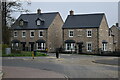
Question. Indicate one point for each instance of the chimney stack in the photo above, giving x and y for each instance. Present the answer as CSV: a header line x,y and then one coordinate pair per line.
x,y
117,24
71,12
39,11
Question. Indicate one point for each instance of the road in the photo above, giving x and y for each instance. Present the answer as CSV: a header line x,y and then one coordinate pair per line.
x,y
70,65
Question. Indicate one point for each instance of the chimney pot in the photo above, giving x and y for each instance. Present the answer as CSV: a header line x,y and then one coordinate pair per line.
x,y
39,11
71,12
117,24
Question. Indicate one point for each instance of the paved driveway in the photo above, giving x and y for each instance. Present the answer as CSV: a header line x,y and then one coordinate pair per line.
x,y
70,65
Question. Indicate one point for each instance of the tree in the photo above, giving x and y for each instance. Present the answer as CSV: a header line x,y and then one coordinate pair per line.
x,y
7,9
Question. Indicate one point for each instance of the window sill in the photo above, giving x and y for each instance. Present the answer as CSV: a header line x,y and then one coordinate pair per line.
x,y
89,51
31,37
89,36
70,36
40,49
69,50
40,36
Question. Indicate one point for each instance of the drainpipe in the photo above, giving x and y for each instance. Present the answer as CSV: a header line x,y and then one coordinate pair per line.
x,y
98,51
63,38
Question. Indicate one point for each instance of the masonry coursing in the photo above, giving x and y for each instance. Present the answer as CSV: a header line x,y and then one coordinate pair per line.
x,y
56,35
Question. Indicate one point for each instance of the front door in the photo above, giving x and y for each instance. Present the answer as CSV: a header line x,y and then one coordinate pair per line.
x,y
80,48
23,47
32,47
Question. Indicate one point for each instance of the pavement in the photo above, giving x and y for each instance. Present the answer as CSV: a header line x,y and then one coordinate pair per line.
x,y
1,74
25,72
67,66
112,61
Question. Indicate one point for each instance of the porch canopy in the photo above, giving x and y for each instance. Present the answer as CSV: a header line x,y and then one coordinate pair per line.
x,y
15,41
31,42
79,42
104,41
40,41
69,41
23,42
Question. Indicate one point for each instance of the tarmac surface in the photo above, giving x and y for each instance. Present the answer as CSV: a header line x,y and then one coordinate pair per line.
x,y
114,61
67,66
24,72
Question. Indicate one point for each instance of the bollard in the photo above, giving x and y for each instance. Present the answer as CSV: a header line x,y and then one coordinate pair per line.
x,y
57,53
35,53
46,51
32,54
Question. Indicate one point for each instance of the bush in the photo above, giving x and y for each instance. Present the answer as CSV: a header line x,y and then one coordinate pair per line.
x,y
3,48
15,51
24,54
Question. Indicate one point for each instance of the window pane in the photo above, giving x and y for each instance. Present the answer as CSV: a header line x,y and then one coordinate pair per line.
x,y
16,44
38,22
89,33
15,34
41,46
32,33
21,23
24,34
89,47
70,46
71,33
104,46
41,33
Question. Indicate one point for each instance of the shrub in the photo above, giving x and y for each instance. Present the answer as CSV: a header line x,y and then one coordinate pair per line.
x,y
15,51
3,48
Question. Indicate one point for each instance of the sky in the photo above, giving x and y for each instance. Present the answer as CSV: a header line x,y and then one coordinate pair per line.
x,y
109,8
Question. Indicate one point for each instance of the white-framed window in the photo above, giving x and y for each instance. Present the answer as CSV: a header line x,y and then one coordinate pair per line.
x,y
104,46
110,33
16,44
70,46
40,33
71,33
40,46
15,33
12,45
89,46
38,22
32,33
23,33
21,23
89,32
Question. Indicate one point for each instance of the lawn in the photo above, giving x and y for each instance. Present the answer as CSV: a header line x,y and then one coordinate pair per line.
x,y
24,54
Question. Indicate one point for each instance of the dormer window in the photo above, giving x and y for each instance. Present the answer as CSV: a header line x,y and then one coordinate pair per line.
x,y
21,23
38,22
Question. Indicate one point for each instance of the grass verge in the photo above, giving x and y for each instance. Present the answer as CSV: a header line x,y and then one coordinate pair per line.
x,y
23,54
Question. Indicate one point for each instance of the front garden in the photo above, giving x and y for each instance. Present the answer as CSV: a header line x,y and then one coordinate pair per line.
x,y
19,53
24,54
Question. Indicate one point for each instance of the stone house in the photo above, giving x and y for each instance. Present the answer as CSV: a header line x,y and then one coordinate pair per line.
x,y
115,30
86,33
37,31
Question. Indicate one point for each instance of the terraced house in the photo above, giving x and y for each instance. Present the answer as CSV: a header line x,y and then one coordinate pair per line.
x,y
87,33
37,31
115,30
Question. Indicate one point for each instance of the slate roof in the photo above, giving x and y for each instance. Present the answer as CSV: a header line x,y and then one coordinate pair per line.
x,y
15,41
83,21
30,20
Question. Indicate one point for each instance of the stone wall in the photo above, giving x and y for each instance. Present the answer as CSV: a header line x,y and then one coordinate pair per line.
x,y
55,34
103,33
80,35
28,39
116,33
